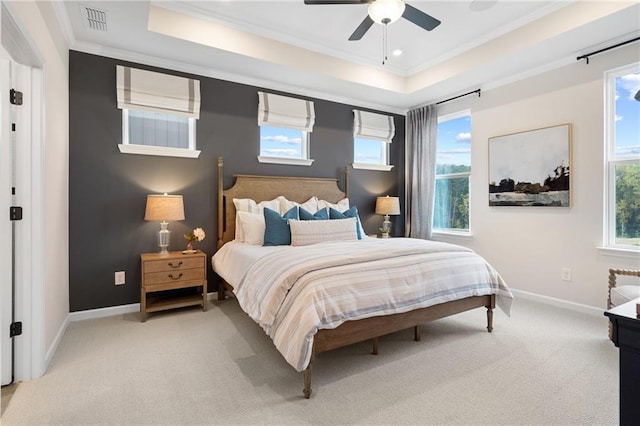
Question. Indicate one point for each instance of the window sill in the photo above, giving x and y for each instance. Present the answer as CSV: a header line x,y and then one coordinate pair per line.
x,y
161,151
437,235
282,160
365,166
619,252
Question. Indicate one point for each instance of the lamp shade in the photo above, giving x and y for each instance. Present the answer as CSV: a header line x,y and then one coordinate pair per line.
x,y
388,205
386,11
164,208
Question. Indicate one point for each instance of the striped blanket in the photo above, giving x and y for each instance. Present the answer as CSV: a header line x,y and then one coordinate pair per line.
x,y
293,293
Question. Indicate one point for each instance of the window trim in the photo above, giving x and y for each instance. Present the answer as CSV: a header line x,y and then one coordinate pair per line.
x,y
610,162
126,147
447,231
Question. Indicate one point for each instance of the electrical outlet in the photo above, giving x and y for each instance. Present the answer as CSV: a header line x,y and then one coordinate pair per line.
x,y
565,274
119,278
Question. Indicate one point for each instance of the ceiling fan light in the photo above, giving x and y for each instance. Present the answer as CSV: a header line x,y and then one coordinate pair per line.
x,y
386,11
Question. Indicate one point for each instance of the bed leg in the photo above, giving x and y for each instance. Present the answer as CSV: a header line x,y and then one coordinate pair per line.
x,y
416,333
489,319
307,382
375,346
307,376
220,292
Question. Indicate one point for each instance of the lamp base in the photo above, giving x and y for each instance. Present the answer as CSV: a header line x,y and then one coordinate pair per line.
x,y
164,237
386,227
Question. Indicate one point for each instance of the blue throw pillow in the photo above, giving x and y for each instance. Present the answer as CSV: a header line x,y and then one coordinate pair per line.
x,y
352,212
319,215
277,231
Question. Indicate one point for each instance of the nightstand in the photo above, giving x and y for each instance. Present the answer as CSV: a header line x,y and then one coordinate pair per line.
x,y
172,271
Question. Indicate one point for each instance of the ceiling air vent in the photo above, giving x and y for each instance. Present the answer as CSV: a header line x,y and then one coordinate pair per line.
x,y
95,19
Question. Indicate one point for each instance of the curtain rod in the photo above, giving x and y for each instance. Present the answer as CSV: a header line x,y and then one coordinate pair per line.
x,y
586,56
459,96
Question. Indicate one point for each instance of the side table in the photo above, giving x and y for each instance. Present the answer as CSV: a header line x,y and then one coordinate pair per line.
x,y
626,336
172,271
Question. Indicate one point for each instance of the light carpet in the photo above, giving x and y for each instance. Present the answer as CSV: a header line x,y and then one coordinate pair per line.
x,y
542,366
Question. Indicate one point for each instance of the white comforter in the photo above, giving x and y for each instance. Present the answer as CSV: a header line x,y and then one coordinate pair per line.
x,y
292,292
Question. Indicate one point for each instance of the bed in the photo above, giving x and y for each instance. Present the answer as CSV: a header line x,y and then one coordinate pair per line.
x,y
312,298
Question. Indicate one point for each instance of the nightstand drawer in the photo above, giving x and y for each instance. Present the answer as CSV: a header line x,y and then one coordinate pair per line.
x,y
174,264
173,276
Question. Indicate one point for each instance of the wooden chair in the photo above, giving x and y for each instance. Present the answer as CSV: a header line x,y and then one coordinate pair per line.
x,y
619,294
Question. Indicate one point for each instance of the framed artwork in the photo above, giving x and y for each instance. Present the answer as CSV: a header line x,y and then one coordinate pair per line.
x,y
531,168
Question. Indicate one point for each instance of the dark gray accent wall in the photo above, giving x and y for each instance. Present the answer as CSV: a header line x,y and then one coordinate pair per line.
x,y
108,189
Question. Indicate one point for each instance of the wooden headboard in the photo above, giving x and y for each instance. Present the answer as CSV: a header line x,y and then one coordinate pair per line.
x,y
263,188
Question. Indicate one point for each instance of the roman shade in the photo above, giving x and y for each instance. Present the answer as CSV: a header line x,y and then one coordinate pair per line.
x,y
369,125
156,92
283,111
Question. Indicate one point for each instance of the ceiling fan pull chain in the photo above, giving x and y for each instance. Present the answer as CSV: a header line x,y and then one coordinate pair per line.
x,y
384,44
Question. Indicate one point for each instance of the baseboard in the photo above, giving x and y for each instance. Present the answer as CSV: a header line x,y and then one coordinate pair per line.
x,y
54,345
565,304
115,310
135,307
104,312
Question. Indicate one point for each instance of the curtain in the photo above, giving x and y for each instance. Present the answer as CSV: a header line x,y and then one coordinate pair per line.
x,y
422,135
156,92
283,111
370,125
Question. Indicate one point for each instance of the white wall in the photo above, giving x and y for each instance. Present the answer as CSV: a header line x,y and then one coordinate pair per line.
x,y
530,245
36,21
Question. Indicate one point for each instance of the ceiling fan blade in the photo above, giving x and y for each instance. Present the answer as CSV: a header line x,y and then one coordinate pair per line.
x,y
337,1
420,18
362,29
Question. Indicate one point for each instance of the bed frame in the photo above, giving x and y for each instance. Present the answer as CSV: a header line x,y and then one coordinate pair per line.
x,y
300,189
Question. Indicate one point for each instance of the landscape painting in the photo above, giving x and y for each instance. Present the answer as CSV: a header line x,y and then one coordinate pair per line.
x,y
531,168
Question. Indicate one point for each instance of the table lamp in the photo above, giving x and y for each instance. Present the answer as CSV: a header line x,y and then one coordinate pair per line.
x,y
164,208
387,206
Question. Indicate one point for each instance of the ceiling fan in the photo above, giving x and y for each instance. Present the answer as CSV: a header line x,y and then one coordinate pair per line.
x,y
384,12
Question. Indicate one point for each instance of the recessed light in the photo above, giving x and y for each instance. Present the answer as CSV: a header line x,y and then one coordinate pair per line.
x,y
397,52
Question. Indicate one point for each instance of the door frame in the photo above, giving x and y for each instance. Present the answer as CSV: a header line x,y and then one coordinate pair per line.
x,y
29,348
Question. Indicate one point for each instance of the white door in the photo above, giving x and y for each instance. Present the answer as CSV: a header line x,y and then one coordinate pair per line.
x,y
7,160
21,167
15,142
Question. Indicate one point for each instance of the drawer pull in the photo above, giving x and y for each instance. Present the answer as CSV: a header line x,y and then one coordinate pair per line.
x,y
175,278
175,266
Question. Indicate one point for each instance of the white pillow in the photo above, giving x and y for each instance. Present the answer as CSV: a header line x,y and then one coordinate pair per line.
x,y
305,232
311,205
252,225
341,206
249,205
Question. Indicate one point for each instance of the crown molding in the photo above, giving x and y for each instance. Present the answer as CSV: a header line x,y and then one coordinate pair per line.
x,y
64,22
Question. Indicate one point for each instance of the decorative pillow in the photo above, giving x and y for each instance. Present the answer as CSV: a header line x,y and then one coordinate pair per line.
x,y
305,232
249,205
253,227
311,205
341,206
321,214
277,231
352,212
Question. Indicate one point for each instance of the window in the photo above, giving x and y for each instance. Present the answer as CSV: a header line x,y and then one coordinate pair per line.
x,y
284,143
372,134
158,130
285,124
370,152
453,168
159,113
622,111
